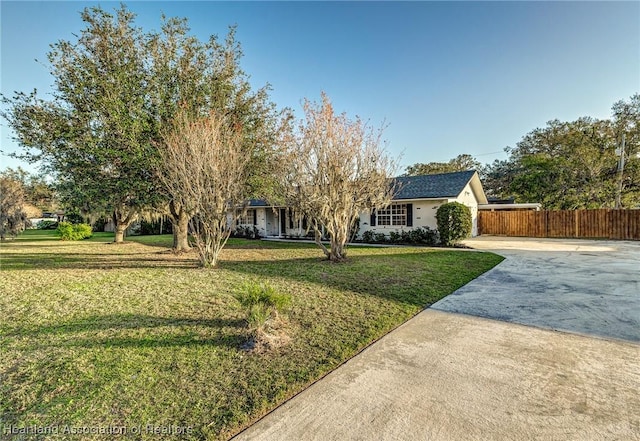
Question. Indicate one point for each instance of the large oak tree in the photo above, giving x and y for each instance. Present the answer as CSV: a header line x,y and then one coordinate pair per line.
x,y
95,132
115,90
575,164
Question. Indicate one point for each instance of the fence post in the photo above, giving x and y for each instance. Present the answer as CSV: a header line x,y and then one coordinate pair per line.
x,y
546,223
576,215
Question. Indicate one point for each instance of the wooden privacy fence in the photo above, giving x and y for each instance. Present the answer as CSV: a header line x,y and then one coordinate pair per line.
x,y
601,223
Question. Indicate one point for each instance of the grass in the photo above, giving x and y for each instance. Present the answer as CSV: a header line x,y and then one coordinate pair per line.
x,y
97,335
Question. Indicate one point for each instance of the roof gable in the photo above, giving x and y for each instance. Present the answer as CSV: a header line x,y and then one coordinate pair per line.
x,y
443,185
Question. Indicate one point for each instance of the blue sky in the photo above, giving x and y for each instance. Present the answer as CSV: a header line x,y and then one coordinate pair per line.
x,y
447,77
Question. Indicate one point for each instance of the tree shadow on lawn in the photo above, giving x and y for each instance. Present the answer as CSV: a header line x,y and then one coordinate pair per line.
x,y
51,244
414,278
232,244
126,258
36,261
51,236
20,240
180,332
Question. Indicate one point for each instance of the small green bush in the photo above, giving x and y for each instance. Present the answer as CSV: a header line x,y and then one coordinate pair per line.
x,y
380,238
65,231
246,232
262,303
68,231
83,231
454,222
395,237
367,236
417,236
424,236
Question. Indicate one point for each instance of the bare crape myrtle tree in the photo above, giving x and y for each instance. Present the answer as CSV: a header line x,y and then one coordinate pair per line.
x,y
337,168
206,170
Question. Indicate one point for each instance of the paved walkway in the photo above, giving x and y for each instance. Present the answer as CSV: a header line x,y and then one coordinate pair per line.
x,y
448,376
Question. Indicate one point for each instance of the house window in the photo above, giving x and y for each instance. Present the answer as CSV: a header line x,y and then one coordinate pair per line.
x,y
393,215
248,218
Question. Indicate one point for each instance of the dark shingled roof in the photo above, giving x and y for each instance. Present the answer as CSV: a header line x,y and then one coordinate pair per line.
x,y
444,185
258,203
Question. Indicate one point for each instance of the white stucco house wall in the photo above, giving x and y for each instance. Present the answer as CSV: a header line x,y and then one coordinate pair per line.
x,y
413,206
272,220
418,198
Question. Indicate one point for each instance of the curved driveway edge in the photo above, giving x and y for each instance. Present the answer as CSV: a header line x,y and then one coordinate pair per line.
x,y
444,376
583,286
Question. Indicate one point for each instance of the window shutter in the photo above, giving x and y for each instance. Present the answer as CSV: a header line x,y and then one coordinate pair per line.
x,y
283,221
304,222
373,218
255,217
409,215
290,218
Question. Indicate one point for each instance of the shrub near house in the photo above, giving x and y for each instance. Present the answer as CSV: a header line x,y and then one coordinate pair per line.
x,y
454,222
417,236
68,231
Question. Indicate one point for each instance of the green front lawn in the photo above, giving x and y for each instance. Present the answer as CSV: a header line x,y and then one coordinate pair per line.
x,y
95,334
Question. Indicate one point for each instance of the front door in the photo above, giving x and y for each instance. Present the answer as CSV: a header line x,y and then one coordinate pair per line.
x,y
271,217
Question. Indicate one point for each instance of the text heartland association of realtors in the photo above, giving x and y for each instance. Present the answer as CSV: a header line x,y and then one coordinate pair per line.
x,y
98,430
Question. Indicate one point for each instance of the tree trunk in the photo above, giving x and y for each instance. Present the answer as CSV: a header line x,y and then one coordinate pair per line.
x,y
210,239
181,233
209,258
318,240
338,253
122,218
180,222
119,233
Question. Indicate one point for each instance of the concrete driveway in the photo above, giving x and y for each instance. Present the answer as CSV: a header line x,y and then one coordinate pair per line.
x,y
449,376
446,377
582,286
